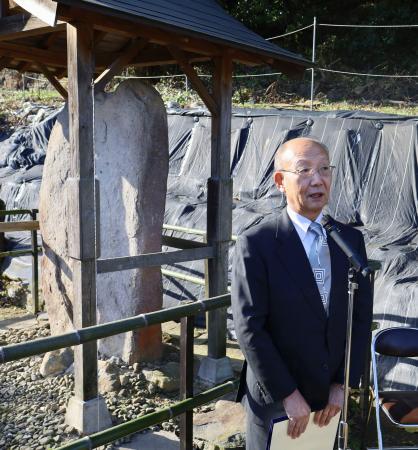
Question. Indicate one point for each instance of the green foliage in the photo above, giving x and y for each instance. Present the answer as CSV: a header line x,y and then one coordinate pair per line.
x,y
386,50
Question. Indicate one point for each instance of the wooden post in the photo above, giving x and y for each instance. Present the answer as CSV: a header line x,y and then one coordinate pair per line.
x,y
35,277
82,245
4,8
186,380
216,367
84,410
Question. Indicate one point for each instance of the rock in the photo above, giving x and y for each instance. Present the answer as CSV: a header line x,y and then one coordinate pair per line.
x,y
108,374
124,380
222,428
108,366
42,317
56,362
17,293
167,379
132,190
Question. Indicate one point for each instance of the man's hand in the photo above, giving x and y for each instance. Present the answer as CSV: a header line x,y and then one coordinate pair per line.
x,y
335,404
298,412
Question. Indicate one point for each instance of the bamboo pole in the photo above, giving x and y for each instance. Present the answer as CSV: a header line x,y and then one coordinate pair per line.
x,y
76,337
132,426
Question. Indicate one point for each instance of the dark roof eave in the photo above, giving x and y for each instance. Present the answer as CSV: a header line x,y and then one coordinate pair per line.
x,y
279,56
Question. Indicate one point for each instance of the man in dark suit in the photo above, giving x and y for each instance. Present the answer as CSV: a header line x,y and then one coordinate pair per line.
x,y
291,325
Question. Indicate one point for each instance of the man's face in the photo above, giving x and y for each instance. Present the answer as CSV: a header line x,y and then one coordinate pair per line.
x,y
305,195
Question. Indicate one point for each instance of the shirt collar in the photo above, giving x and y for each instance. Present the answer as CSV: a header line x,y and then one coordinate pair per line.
x,y
301,222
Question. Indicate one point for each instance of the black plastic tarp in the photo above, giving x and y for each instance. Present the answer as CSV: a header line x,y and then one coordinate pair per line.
x,y
375,188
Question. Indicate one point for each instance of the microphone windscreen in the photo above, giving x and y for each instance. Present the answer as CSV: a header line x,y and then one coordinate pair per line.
x,y
327,221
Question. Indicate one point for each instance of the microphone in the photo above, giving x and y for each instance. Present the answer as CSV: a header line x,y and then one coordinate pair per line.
x,y
356,260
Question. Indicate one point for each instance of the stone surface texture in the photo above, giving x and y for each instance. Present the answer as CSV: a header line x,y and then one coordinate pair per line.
x,y
166,379
56,362
222,428
131,148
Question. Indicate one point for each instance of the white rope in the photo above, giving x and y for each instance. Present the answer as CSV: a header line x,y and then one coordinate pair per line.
x,y
33,78
365,26
202,76
365,74
290,32
257,75
150,77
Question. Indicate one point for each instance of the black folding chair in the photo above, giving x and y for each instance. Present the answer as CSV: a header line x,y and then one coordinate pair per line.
x,y
400,407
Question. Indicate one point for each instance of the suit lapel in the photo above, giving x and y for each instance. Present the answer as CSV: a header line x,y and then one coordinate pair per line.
x,y
339,282
293,257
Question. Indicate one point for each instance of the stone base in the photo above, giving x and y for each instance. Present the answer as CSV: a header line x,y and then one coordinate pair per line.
x,y
215,370
88,417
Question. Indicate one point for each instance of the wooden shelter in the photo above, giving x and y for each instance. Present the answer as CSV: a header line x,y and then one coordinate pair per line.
x,y
90,41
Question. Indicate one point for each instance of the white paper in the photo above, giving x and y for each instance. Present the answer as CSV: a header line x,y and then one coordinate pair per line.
x,y
314,437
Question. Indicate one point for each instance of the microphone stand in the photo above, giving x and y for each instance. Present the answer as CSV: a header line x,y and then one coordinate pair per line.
x,y
343,425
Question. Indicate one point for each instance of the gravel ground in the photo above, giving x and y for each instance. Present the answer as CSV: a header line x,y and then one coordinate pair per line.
x,y
32,408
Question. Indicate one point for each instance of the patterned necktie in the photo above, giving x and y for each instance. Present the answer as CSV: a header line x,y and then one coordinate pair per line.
x,y
320,262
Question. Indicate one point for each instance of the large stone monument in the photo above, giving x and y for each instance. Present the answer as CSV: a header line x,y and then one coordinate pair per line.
x,y
131,148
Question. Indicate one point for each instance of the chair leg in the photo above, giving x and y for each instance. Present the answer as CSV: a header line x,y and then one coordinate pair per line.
x,y
365,428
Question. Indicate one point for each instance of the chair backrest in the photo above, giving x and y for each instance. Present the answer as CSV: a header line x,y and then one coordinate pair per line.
x,y
402,342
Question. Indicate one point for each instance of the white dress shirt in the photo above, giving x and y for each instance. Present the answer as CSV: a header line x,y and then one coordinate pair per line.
x,y
301,224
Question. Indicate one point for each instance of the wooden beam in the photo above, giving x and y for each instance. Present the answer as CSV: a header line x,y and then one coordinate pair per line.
x,y
50,40
153,259
117,66
26,53
82,201
51,78
171,241
24,25
219,203
48,57
195,80
4,8
46,10
4,62
26,225
98,36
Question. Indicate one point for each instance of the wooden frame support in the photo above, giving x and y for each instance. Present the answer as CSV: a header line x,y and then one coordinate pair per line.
x,y
24,25
4,8
46,10
86,411
80,108
111,265
51,78
197,83
117,66
216,367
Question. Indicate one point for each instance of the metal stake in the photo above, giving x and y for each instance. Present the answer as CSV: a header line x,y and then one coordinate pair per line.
x,y
343,425
313,61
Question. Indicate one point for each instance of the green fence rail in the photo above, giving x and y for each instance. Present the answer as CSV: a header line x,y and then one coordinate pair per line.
x,y
185,313
132,426
184,408
33,251
42,345
16,212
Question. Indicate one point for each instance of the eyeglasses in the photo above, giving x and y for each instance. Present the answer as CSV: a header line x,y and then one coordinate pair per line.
x,y
324,171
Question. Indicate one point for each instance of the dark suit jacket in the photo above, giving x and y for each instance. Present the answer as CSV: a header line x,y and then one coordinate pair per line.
x,y
282,328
